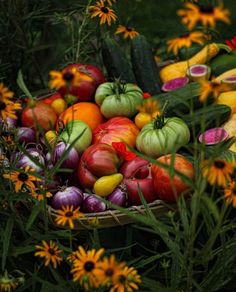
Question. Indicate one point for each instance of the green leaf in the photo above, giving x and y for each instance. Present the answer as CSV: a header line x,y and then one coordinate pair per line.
x,y
34,214
6,240
21,84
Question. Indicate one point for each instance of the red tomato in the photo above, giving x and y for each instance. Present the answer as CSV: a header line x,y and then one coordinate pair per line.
x,y
86,89
117,129
170,188
39,115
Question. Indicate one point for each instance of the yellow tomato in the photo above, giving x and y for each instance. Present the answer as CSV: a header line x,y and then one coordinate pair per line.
x,y
141,119
59,105
105,185
51,136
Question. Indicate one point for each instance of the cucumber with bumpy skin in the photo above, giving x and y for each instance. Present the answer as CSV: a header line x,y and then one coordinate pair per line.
x,y
116,62
144,66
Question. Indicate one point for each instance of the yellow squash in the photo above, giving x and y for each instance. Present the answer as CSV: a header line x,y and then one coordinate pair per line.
x,y
179,69
230,127
105,185
228,98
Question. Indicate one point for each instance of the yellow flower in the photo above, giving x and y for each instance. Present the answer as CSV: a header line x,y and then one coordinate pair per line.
x,y
207,15
22,178
5,93
49,252
41,193
217,172
7,283
186,40
7,109
230,194
150,106
108,268
126,279
67,216
127,31
85,268
67,78
211,87
105,13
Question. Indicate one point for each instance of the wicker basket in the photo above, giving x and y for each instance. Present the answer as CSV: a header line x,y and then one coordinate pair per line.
x,y
112,218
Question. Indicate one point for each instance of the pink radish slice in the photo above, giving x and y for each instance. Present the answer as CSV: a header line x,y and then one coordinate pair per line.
x,y
213,136
231,79
175,83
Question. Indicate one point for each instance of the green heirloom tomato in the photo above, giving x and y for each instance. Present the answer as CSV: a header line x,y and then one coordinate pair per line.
x,y
162,136
116,99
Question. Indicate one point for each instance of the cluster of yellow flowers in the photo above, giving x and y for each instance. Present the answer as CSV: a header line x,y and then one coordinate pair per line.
x,y
103,10
193,14
91,269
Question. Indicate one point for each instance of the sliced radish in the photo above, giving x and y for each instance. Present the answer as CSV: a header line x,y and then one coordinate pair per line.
x,y
175,83
213,136
199,72
231,79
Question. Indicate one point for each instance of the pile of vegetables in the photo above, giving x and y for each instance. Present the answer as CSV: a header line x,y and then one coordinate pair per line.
x,y
102,140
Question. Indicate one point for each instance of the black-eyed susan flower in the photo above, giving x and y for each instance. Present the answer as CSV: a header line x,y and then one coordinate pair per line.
x,y
85,269
127,31
41,193
108,268
209,87
22,178
230,194
127,279
73,256
186,40
8,283
217,172
206,15
67,78
50,252
5,93
105,13
150,106
67,216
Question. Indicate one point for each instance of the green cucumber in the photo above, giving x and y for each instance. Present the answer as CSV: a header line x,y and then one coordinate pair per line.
x,y
115,61
180,101
186,53
211,116
222,63
144,65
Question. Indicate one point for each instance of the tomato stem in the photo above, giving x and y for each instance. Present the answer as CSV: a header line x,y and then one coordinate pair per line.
x,y
159,121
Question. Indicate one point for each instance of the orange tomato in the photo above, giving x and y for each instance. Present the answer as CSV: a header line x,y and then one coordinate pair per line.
x,y
141,119
87,112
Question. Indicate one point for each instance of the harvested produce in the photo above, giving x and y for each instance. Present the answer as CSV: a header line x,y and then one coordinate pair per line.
x,y
67,196
117,99
168,188
105,185
199,72
228,98
175,83
227,75
162,136
144,65
179,69
213,136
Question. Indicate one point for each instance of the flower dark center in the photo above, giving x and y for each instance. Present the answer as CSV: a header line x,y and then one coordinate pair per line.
x,y
2,105
109,272
68,76
122,279
129,29
184,36
51,251
207,9
69,214
219,164
104,9
89,266
23,177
